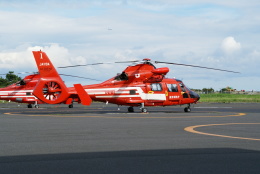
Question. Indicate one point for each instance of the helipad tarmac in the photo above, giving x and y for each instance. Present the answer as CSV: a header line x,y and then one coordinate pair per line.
x,y
213,138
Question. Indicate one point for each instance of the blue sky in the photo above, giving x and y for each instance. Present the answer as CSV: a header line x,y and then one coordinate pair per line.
x,y
222,34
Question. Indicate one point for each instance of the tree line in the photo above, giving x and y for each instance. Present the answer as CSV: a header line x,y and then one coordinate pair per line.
x,y
227,89
9,79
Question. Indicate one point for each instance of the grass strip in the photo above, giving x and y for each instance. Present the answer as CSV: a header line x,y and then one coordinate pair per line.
x,y
230,98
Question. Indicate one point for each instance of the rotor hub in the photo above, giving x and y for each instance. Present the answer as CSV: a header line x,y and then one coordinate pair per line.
x,y
147,60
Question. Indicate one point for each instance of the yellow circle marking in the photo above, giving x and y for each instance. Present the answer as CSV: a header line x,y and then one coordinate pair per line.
x,y
191,129
129,115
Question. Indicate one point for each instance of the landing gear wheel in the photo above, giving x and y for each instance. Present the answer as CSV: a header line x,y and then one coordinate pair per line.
x,y
144,110
36,106
29,105
130,109
187,109
71,106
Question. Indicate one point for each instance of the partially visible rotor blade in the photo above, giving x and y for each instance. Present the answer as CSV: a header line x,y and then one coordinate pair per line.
x,y
71,66
131,61
196,66
23,73
80,65
28,73
78,77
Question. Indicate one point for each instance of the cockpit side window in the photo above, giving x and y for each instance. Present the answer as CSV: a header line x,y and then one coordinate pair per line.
x,y
184,90
172,87
20,83
156,87
122,76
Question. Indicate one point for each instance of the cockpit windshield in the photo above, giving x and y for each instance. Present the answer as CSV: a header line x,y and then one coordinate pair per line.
x,y
183,89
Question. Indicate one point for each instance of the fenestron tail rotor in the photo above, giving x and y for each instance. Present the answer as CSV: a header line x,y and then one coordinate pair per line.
x,y
51,91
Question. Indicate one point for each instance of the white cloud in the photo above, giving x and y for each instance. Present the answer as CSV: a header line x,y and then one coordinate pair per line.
x,y
13,60
23,60
229,45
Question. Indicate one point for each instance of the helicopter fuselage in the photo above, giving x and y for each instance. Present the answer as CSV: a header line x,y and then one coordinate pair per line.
x,y
142,84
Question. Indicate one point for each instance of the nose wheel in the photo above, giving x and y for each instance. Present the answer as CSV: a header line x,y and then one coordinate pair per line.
x,y
187,109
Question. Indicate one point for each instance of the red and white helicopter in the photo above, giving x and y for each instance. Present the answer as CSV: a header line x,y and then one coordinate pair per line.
x,y
21,91
140,85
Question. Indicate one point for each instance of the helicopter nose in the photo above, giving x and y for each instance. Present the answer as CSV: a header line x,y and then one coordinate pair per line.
x,y
195,96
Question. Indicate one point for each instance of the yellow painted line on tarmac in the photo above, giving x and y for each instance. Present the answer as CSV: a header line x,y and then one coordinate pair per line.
x,y
234,115
46,115
191,129
145,115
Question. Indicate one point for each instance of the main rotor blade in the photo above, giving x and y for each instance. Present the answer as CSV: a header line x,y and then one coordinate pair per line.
x,y
197,66
82,65
71,66
78,77
22,73
28,73
130,61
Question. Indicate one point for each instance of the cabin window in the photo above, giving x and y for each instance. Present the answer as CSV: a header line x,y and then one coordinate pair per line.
x,y
132,92
172,87
156,87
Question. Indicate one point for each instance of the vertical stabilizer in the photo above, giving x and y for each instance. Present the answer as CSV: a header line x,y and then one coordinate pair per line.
x,y
45,66
50,88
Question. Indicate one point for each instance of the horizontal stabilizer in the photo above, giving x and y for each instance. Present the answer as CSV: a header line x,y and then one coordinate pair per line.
x,y
83,95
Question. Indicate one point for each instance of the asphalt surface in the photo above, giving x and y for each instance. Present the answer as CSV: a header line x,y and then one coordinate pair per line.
x,y
212,138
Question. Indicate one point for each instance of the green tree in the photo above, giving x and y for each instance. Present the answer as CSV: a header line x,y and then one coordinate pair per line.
x,y
227,89
9,79
207,90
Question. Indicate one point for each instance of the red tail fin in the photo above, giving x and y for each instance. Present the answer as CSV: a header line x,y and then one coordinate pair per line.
x,y
50,89
45,67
